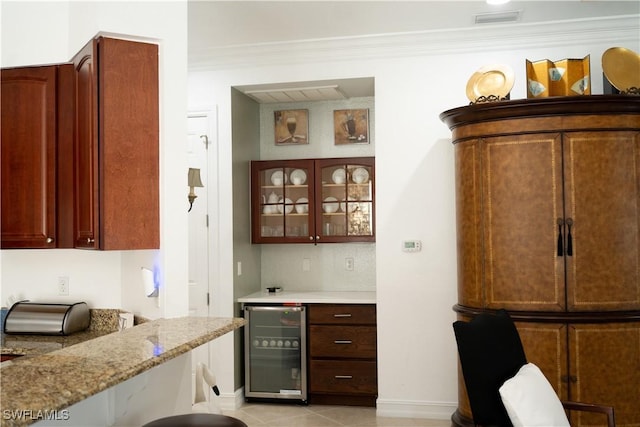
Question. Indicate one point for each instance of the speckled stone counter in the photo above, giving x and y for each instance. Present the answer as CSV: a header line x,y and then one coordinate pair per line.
x,y
310,297
103,321
60,378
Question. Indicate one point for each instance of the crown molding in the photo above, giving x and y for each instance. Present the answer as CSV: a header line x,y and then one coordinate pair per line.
x,y
616,29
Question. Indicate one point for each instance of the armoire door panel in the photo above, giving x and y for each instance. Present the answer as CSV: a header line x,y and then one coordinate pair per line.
x,y
522,267
545,345
603,199
469,231
605,362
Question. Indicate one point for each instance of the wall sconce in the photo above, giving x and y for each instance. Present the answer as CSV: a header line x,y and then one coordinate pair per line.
x,y
193,180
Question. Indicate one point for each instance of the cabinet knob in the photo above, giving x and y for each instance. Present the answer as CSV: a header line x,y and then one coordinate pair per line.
x,y
90,240
317,237
49,239
311,238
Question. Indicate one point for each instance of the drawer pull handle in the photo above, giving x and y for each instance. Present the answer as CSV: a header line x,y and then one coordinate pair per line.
x,y
343,377
342,315
342,342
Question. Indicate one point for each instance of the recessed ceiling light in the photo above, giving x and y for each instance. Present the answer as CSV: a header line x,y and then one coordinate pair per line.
x,y
494,2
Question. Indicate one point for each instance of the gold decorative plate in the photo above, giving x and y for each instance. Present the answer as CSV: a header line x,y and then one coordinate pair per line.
x,y
621,67
490,80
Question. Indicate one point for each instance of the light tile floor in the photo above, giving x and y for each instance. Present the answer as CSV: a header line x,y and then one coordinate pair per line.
x,y
286,415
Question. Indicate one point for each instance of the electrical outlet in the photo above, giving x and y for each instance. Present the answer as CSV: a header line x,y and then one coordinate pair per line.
x,y
63,285
348,264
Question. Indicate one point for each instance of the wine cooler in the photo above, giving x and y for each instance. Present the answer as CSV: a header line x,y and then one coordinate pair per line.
x,y
275,352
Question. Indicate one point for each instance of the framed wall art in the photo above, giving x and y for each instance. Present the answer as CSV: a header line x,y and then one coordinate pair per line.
x,y
291,127
351,126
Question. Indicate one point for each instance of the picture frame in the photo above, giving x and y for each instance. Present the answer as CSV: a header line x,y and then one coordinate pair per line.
x,y
291,127
351,126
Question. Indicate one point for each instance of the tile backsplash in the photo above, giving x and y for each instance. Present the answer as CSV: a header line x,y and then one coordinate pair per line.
x,y
284,266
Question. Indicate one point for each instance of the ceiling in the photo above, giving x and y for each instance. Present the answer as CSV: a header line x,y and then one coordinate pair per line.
x,y
217,24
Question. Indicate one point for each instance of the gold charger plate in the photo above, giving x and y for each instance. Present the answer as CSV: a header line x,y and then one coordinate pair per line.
x,y
621,67
496,79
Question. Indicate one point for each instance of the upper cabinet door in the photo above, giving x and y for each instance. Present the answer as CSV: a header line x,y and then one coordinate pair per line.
x,y
282,201
522,199
313,201
345,200
87,232
29,157
602,199
117,151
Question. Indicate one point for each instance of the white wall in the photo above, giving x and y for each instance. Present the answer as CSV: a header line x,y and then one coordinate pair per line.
x,y
52,32
417,76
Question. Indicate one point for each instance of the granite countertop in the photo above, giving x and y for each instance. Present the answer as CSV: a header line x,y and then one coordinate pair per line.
x,y
311,297
60,378
103,321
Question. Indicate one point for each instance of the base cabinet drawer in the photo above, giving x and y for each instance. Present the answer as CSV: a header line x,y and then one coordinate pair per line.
x,y
340,314
346,341
342,354
329,376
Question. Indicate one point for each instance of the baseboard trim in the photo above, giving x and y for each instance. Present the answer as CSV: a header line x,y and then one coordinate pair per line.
x,y
232,401
415,409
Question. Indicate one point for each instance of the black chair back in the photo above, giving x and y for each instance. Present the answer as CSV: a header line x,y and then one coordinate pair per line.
x,y
490,352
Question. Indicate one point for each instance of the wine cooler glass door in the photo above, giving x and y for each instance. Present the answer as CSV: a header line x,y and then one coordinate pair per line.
x,y
275,352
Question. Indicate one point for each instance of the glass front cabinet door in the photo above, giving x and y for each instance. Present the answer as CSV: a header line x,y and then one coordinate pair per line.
x,y
313,201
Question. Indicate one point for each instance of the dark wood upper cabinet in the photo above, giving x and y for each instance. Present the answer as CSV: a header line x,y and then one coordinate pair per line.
x,y
37,132
80,150
116,150
313,200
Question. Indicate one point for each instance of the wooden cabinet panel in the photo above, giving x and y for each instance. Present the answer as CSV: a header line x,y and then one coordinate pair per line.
x,y
86,207
605,368
343,376
469,231
352,314
522,201
343,342
36,131
117,146
545,345
603,200
29,157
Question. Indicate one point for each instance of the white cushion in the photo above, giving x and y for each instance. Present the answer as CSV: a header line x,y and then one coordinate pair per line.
x,y
531,401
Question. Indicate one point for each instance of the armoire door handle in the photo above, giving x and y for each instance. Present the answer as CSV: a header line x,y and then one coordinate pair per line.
x,y
560,222
569,238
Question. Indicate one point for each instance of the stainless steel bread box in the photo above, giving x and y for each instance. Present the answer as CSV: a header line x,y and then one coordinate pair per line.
x,y
46,319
